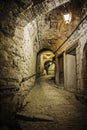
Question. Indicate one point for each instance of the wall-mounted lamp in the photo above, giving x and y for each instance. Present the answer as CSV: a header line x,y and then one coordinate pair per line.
x,y
67,18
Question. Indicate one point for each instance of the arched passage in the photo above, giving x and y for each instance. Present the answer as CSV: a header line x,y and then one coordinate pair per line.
x,y
44,60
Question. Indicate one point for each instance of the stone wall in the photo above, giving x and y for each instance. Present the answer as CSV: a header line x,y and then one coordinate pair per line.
x,y
80,37
17,62
27,42
18,48
81,60
21,26
16,11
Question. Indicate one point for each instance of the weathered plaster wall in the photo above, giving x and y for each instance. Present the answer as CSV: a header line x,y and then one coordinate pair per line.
x,y
80,37
78,34
70,72
80,63
28,48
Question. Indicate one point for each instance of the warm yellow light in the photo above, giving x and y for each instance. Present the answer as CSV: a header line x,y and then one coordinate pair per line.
x,y
48,57
67,18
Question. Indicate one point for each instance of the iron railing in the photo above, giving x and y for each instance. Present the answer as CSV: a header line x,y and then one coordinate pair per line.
x,y
14,88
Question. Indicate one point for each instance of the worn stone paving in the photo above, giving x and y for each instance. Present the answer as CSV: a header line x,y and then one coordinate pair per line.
x,y
58,109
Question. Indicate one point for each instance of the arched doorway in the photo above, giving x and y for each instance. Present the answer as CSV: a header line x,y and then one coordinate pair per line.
x,y
49,66
44,62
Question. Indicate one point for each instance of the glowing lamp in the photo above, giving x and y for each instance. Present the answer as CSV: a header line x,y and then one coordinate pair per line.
x,y
67,18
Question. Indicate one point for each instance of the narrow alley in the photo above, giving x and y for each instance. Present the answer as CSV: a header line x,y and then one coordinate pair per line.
x,y
52,108
43,65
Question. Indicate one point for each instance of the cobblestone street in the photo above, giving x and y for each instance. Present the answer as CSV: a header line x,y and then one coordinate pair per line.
x,y
53,107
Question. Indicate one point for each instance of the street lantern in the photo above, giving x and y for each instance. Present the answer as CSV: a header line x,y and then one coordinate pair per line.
x,y
67,18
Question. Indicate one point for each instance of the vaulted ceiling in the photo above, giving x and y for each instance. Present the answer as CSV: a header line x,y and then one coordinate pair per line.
x,y
53,30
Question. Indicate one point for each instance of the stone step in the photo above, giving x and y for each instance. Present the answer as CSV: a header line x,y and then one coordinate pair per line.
x,y
34,118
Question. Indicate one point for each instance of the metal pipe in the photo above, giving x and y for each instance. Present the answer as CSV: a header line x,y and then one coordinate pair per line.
x,y
29,77
9,88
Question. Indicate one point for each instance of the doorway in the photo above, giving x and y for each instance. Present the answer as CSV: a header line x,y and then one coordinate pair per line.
x,y
71,70
61,69
45,62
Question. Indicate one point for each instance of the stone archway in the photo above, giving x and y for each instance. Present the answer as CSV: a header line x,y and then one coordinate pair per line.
x,y
43,56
